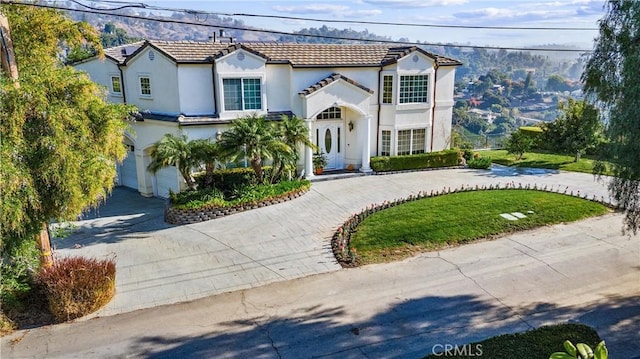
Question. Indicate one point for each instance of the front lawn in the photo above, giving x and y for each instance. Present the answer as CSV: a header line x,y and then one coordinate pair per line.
x,y
534,344
430,223
541,160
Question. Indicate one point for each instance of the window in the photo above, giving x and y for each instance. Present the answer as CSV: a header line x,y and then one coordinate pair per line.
x,y
242,94
410,141
116,85
145,86
414,89
387,89
417,141
330,113
386,143
404,142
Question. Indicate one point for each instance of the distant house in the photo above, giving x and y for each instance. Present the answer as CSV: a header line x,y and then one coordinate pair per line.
x,y
358,100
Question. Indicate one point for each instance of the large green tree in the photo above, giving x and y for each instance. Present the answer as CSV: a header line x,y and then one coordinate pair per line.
x,y
59,138
576,130
611,82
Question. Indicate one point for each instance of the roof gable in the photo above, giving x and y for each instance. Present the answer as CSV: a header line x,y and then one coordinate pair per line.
x,y
333,78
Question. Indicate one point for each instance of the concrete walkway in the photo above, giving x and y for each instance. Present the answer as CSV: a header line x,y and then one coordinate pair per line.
x,y
159,264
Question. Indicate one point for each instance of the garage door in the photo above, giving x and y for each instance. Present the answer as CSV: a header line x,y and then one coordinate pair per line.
x,y
165,180
127,173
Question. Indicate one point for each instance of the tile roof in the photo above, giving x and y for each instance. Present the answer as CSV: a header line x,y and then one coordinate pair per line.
x,y
118,55
330,79
297,55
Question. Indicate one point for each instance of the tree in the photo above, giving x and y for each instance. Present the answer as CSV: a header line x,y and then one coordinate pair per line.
x,y
518,144
253,137
294,133
576,130
60,138
176,150
208,153
556,83
611,83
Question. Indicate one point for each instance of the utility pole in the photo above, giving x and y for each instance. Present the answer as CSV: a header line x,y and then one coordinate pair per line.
x,y
10,68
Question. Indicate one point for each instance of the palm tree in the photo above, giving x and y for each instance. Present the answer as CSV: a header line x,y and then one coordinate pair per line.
x,y
174,150
253,137
294,132
207,152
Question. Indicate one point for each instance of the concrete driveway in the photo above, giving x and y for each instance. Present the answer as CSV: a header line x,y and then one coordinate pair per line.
x,y
159,264
581,272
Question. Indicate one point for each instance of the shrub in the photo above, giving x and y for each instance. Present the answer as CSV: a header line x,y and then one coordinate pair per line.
x,y
479,163
467,154
241,194
77,286
445,158
198,198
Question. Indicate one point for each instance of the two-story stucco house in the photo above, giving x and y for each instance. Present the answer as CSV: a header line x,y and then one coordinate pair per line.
x,y
358,100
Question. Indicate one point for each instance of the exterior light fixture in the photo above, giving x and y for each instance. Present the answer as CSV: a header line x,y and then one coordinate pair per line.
x,y
350,124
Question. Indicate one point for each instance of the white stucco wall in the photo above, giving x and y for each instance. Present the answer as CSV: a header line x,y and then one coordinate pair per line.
x,y
163,75
100,72
444,108
338,93
195,88
278,86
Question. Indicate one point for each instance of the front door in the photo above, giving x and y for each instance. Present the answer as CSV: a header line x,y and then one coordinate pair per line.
x,y
329,137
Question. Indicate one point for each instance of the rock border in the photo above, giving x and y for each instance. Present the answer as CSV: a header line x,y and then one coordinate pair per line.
x,y
340,241
194,215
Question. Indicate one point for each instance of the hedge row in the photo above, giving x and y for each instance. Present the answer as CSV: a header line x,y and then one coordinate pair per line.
x,y
446,158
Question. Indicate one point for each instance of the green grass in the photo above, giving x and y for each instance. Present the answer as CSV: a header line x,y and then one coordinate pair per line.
x,y
541,160
534,344
436,222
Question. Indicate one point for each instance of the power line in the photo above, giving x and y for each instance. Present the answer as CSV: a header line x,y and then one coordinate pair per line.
x,y
277,32
360,22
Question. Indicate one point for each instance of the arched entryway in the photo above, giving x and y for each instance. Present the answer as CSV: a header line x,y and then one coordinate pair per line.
x,y
329,136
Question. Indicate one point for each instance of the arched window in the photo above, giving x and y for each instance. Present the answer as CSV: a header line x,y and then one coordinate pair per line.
x,y
330,113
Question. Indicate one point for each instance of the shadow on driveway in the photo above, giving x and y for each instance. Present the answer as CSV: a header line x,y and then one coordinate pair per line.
x,y
408,329
123,215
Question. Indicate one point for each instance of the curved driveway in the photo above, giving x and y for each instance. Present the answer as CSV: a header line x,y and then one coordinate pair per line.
x,y
159,264
584,271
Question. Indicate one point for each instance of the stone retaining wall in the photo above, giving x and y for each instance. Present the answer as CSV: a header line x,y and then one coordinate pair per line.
x,y
188,216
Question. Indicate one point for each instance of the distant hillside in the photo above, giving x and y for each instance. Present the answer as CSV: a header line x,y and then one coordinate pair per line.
x,y
144,29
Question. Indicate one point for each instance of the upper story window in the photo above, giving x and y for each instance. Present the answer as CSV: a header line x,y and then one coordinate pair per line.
x,y
387,89
330,113
116,85
145,86
242,94
414,89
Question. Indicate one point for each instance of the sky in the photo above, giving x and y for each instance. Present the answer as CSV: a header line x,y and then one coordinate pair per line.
x,y
521,13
